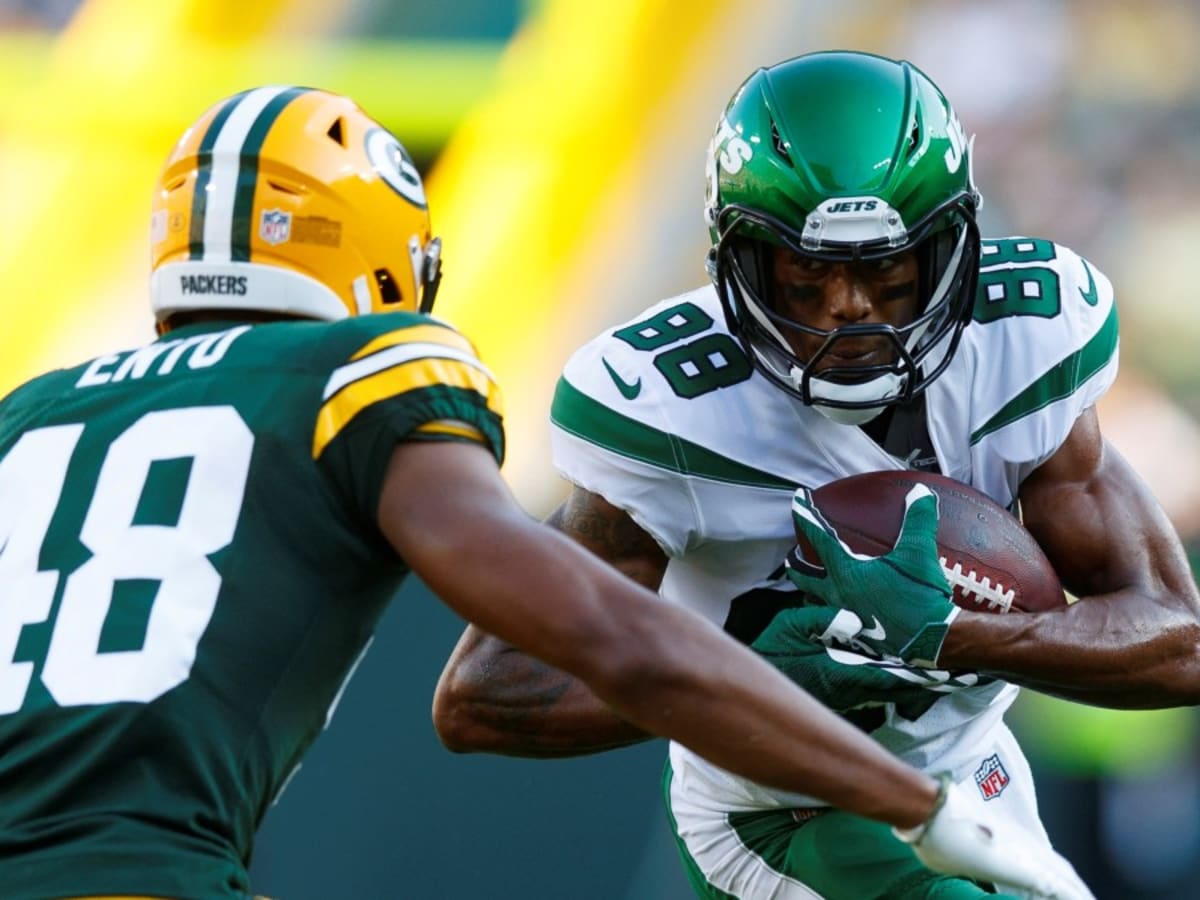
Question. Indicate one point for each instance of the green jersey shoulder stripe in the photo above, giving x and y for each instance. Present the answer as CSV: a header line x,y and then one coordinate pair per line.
x,y
578,414
1061,381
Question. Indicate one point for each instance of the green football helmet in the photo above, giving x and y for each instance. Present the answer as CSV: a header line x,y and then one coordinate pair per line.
x,y
843,156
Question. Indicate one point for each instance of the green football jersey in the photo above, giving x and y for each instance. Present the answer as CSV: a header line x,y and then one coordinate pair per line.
x,y
190,568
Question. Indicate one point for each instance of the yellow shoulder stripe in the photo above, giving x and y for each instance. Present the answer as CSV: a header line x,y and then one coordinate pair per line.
x,y
427,371
429,334
454,427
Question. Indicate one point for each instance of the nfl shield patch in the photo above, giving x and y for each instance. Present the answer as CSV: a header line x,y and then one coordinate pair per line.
x,y
276,226
991,777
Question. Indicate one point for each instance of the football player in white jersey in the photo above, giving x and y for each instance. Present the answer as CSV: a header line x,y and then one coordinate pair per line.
x,y
856,321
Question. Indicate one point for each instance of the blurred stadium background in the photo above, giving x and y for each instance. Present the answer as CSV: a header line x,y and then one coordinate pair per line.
x,y
563,144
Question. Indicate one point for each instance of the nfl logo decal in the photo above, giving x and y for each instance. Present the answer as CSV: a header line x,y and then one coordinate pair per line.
x,y
276,226
991,777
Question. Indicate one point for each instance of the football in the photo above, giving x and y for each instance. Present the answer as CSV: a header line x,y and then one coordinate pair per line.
x,y
990,559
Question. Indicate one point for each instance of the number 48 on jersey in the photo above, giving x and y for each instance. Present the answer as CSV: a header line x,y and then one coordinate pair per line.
x,y
216,446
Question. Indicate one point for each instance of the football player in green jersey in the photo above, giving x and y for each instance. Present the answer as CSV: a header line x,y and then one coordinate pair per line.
x,y
198,536
856,321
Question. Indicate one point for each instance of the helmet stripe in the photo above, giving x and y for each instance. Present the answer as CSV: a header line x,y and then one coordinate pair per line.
x,y
204,174
243,203
237,132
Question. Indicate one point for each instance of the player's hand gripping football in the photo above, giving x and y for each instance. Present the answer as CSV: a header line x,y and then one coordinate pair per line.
x,y
962,837
813,646
902,597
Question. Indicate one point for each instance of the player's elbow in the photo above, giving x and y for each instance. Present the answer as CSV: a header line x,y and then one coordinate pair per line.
x,y
454,719
457,734
1180,681
449,726
1174,677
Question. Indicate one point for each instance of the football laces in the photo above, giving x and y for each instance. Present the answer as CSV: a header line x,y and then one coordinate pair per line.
x,y
978,589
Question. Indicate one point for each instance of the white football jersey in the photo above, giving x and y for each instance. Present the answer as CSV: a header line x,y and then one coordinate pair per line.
x,y
665,418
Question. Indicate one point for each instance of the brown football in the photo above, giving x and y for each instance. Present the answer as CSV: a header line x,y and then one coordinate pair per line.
x,y
990,559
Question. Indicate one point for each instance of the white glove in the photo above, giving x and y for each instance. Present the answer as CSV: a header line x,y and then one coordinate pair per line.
x,y
964,838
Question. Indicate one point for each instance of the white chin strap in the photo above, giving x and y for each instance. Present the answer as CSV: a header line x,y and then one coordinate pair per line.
x,y
848,416
882,389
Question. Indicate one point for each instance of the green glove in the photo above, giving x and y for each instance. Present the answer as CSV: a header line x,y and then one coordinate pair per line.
x,y
903,596
810,646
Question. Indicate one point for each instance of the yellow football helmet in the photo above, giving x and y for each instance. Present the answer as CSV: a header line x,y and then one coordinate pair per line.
x,y
291,200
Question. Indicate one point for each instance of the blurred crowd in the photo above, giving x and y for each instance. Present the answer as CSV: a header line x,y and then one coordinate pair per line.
x,y
37,14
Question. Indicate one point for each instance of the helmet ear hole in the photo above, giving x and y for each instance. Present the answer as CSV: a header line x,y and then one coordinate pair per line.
x,y
389,293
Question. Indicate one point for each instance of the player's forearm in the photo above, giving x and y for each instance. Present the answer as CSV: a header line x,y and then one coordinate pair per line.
x,y
492,698
1119,651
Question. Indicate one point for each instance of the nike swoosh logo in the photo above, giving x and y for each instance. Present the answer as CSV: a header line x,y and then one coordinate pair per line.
x,y
876,632
628,389
1090,297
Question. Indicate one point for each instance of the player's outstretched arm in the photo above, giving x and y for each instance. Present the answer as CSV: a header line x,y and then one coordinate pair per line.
x,y
1132,639
495,698
446,510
